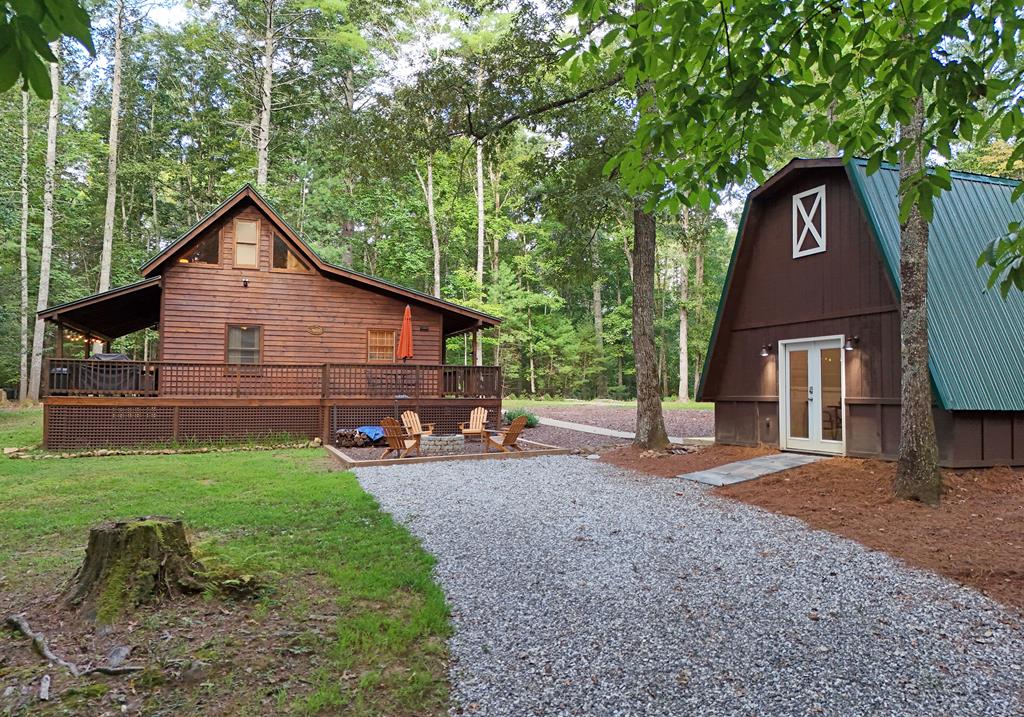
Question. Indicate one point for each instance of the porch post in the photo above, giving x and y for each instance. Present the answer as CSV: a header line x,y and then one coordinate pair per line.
x,y
58,349
476,339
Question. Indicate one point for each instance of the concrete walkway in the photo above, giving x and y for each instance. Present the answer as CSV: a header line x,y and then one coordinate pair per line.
x,y
751,468
611,433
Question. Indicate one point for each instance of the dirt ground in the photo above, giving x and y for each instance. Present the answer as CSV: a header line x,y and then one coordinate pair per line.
x,y
687,423
976,535
668,465
198,655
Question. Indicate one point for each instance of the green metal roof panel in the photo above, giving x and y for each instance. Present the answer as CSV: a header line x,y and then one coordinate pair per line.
x,y
976,339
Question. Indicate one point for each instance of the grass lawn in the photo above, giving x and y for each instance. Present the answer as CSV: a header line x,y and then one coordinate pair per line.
x,y
351,621
606,403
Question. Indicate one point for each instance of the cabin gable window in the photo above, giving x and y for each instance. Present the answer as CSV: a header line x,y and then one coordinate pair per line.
x,y
247,242
205,251
809,222
284,258
380,346
244,343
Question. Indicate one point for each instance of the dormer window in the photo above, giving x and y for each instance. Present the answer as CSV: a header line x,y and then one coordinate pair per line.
x,y
205,251
809,222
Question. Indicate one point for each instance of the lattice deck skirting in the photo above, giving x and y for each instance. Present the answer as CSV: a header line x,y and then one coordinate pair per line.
x,y
71,422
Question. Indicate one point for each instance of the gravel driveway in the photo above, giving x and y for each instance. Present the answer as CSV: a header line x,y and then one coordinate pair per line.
x,y
580,589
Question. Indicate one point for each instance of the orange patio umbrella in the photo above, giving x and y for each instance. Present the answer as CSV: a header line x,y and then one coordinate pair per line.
x,y
404,349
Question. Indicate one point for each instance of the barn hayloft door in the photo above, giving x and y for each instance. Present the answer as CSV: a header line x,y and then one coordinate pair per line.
x,y
811,393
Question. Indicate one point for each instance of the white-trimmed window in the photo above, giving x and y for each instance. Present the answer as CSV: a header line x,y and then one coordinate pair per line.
x,y
247,238
809,222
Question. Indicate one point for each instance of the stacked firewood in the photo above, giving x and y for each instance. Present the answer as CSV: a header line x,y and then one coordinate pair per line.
x,y
352,439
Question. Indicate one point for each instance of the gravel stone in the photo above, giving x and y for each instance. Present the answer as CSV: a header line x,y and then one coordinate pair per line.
x,y
577,588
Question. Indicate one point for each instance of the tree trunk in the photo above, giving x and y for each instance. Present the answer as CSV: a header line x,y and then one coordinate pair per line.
x,y
650,423
478,344
684,297
496,236
598,311
435,242
50,177
533,368
130,563
917,469
480,228
115,127
698,312
23,334
266,88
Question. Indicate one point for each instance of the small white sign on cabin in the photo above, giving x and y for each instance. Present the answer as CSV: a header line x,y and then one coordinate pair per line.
x,y
809,222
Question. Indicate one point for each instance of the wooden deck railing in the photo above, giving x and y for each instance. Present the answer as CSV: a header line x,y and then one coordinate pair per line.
x,y
83,377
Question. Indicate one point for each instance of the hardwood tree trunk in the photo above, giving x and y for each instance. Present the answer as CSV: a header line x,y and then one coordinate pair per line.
x,y
650,423
130,563
598,310
684,297
23,334
427,185
917,469
478,344
49,181
698,313
112,145
266,89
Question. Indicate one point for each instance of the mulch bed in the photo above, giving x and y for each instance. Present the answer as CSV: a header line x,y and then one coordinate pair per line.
x,y
975,537
687,423
667,465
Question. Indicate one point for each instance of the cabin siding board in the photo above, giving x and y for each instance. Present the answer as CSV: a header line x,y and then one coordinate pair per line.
x,y
291,307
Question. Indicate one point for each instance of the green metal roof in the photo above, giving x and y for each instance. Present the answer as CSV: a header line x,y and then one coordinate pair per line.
x,y
976,339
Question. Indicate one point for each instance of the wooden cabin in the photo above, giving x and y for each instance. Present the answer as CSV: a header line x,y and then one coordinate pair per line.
x,y
805,351
258,336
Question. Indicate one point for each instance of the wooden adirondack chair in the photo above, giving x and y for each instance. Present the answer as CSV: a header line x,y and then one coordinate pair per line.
x,y
398,441
476,426
509,437
411,421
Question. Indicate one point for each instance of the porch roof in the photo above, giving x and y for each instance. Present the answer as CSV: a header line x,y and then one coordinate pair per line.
x,y
112,313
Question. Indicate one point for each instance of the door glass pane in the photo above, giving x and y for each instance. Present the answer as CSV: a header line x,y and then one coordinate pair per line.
x,y
831,395
798,408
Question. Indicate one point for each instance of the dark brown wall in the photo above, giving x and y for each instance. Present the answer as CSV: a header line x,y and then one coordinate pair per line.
x,y
774,297
844,290
199,301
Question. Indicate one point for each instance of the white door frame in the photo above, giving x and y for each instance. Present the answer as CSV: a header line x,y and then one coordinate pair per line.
x,y
784,437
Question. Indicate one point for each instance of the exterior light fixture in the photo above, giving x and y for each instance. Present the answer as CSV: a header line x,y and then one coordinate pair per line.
x,y
851,343
245,282
766,349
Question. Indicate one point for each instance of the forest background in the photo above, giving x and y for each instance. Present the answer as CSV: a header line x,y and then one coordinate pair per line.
x,y
445,147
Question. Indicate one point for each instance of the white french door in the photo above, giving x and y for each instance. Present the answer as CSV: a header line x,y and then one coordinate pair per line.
x,y
811,394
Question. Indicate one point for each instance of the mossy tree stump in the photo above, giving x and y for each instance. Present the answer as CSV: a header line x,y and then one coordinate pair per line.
x,y
133,562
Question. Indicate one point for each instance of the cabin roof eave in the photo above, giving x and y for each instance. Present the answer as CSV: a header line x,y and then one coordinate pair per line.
x,y
465,314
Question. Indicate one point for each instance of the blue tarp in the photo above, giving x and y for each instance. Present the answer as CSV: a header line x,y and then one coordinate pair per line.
x,y
374,433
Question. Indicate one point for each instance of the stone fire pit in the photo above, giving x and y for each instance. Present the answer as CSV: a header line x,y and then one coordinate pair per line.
x,y
442,445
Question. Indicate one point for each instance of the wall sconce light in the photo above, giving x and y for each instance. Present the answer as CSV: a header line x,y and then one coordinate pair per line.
x,y
245,282
851,343
766,349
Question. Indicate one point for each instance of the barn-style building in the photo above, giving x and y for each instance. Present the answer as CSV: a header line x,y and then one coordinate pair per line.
x,y
805,351
258,336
